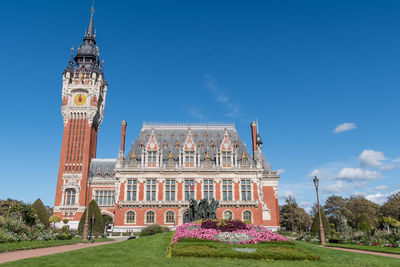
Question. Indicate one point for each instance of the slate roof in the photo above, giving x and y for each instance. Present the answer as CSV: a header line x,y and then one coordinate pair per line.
x,y
102,165
173,134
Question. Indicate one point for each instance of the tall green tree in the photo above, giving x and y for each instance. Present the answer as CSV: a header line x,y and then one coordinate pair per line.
x,y
391,208
334,208
41,212
325,224
292,217
98,225
358,205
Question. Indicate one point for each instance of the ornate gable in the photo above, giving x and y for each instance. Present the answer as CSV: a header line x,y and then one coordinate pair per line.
x,y
152,143
189,144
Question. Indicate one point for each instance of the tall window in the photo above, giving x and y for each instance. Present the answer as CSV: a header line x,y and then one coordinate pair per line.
x,y
189,189
227,190
169,217
104,198
151,189
246,189
130,217
208,189
247,216
189,159
150,217
152,158
131,190
244,161
170,190
226,159
70,196
228,215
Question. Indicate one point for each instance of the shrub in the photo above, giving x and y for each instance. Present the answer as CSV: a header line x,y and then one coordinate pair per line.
x,y
64,236
325,224
65,228
41,212
24,212
98,226
153,229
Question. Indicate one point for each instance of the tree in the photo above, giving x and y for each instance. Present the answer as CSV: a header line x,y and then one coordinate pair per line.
x,y
98,226
334,208
391,208
292,217
41,212
325,224
358,205
24,212
364,223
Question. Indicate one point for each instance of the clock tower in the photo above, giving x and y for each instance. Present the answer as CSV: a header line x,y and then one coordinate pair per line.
x,y
83,98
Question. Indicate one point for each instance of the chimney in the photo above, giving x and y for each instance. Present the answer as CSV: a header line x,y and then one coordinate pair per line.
x,y
253,126
123,134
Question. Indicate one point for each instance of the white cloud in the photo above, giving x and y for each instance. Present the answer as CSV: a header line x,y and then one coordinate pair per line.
x,y
387,167
377,198
233,108
321,174
280,171
357,174
334,188
380,188
347,126
371,158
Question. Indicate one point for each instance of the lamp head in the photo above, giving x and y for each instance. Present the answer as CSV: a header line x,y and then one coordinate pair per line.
x,y
316,182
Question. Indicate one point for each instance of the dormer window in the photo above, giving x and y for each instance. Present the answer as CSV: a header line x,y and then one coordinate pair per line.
x,y
133,159
207,159
189,159
107,173
152,149
226,159
244,159
171,159
98,173
151,158
226,151
189,151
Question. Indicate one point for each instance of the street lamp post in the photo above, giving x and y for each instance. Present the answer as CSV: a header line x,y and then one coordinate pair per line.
x,y
321,228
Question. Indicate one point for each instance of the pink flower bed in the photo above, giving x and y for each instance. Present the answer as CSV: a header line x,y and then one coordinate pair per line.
x,y
259,233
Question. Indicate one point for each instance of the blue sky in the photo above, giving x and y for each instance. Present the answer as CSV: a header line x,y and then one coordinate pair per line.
x,y
302,68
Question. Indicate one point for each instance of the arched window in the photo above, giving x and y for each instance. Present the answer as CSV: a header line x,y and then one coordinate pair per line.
x,y
70,196
247,216
228,215
130,217
170,217
150,217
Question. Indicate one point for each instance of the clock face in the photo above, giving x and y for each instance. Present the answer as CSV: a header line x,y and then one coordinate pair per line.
x,y
80,99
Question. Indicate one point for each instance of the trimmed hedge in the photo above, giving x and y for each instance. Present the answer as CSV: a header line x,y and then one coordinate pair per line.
x,y
325,224
98,226
221,250
41,212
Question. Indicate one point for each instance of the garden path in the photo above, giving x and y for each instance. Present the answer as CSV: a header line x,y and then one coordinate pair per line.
x,y
367,252
30,253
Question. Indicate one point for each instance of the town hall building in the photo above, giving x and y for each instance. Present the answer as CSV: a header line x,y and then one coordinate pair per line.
x,y
165,167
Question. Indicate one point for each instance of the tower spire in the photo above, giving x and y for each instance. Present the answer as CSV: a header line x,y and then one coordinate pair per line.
x,y
90,29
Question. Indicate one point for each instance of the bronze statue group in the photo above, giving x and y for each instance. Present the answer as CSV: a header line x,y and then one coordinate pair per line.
x,y
203,209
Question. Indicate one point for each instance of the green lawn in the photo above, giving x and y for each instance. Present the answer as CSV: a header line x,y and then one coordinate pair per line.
x,y
152,251
368,248
41,244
